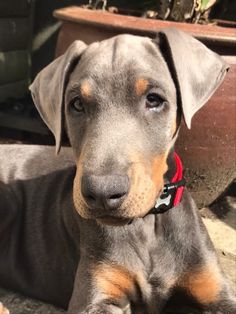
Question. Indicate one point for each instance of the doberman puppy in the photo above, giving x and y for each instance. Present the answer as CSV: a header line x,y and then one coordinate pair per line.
x,y
120,101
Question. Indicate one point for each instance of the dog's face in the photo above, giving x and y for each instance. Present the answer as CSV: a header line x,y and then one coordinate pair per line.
x,y
120,109
119,99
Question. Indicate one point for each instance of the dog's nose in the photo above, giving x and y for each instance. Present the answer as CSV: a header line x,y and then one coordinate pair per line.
x,y
108,191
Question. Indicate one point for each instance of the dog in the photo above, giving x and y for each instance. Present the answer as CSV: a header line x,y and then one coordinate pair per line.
x,y
119,233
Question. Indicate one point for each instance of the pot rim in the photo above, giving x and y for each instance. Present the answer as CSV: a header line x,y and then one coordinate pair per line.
x,y
99,18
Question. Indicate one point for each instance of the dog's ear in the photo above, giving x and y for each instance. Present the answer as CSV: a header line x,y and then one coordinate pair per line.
x,y
48,89
197,71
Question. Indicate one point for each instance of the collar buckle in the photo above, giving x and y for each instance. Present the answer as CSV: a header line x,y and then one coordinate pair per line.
x,y
166,200
172,193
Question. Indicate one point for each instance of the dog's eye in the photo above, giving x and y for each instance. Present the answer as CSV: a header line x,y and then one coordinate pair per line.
x,y
77,105
154,102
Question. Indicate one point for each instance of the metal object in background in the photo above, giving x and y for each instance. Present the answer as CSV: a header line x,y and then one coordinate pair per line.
x,y
183,10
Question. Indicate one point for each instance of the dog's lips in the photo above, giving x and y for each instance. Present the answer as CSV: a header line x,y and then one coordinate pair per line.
x,y
116,218
113,221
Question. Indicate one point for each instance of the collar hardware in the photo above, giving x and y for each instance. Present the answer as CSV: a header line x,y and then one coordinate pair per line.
x,y
173,191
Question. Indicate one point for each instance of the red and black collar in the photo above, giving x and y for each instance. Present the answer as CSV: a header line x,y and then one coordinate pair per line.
x,y
173,191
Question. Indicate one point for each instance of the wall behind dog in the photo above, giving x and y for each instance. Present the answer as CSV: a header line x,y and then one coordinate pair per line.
x,y
45,31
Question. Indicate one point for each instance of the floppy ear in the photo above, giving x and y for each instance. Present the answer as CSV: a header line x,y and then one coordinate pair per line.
x,y
48,89
196,70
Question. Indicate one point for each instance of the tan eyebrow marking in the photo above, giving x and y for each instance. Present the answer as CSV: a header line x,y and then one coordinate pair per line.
x,y
85,89
140,86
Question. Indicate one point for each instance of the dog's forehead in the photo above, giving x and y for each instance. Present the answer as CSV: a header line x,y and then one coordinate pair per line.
x,y
122,45
120,62
120,53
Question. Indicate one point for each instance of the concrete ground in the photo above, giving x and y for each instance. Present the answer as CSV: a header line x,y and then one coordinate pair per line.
x,y
221,224
220,221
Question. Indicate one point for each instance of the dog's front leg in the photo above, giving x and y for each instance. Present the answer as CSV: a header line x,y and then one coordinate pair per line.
x,y
105,309
225,305
211,290
97,293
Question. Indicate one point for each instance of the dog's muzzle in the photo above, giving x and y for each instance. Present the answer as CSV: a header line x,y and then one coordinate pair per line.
x,y
106,192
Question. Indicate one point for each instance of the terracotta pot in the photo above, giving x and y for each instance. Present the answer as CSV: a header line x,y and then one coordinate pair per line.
x,y
208,150
90,26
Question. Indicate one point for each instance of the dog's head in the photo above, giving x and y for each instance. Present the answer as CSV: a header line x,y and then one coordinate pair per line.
x,y
119,101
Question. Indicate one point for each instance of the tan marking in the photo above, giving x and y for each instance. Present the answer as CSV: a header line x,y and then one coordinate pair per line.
x,y
174,126
159,168
114,281
80,204
141,86
85,89
146,182
203,285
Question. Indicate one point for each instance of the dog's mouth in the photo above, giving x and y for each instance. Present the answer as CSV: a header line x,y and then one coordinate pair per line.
x,y
113,221
121,216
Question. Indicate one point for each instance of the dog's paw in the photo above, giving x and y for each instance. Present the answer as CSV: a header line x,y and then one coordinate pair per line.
x,y
104,309
3,310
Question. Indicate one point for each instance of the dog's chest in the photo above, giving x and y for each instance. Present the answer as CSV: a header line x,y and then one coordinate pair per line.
x,y
139,260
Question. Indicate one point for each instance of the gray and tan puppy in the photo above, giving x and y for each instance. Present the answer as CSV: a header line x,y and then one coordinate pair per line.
x,y
120,102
